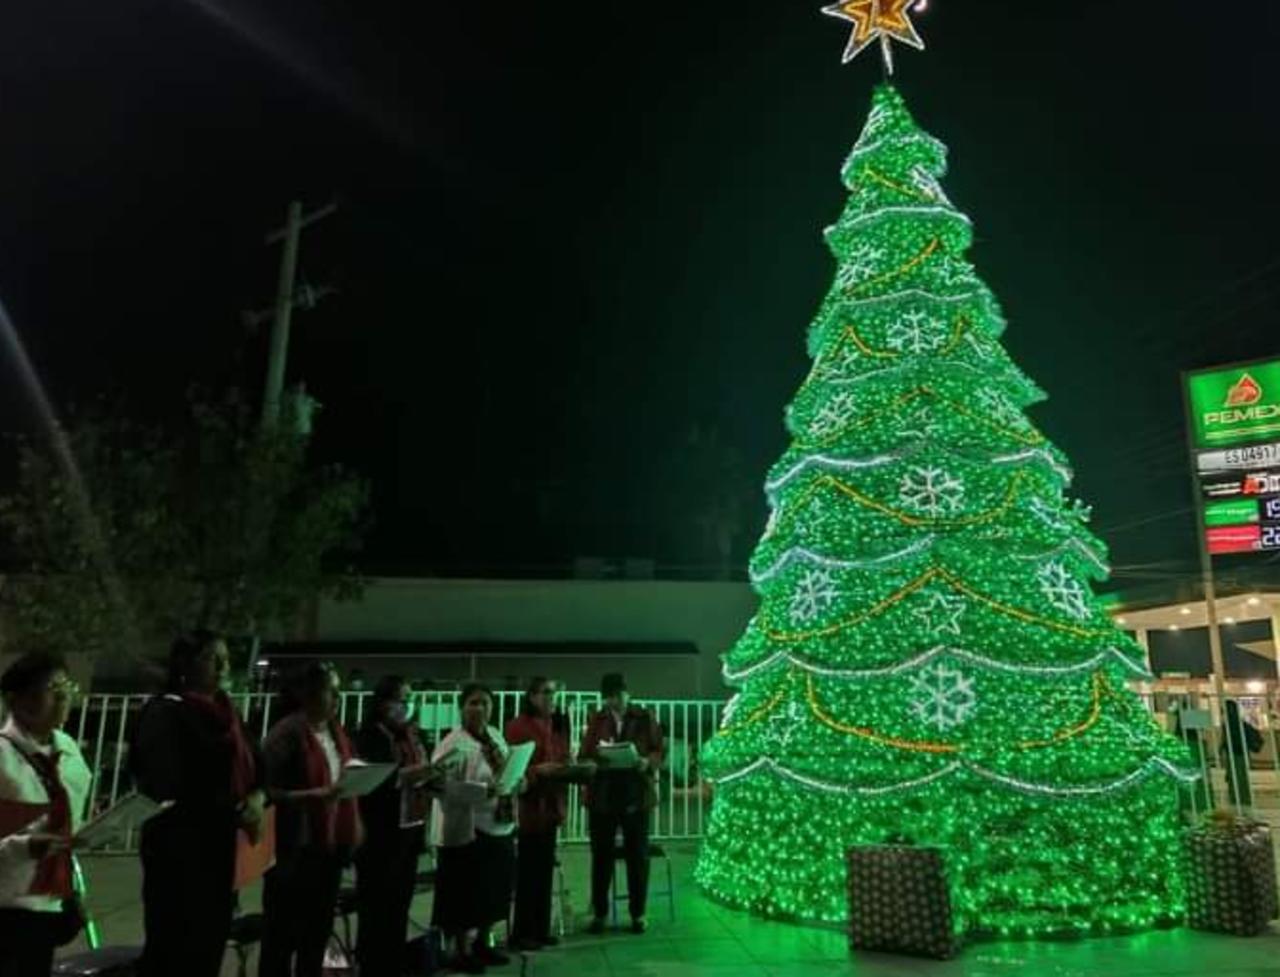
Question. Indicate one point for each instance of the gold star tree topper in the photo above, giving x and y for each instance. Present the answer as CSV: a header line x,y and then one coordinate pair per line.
x,y
886,20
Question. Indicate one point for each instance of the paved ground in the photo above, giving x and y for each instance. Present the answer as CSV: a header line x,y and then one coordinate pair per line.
x,y
706,940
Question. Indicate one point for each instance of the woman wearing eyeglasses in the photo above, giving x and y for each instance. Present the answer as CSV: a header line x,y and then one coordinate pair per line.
x,y
395,817
542,811
190,749
43,773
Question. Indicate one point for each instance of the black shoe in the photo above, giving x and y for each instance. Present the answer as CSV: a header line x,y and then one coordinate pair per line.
x,y
549,941
489,957
470,964
639,925
596,926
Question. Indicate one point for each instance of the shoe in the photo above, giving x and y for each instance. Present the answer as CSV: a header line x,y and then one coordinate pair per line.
x,y
470,964
489,957
549,941
639,925
596,926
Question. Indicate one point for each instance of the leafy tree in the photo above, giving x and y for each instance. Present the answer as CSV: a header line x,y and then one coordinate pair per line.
x,y
123,533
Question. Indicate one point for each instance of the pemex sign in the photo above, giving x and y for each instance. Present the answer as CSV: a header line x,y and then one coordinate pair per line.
x,y
1235,405
1233,423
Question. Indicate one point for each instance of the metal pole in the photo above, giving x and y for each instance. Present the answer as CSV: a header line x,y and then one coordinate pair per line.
x,y
1206,563
283,316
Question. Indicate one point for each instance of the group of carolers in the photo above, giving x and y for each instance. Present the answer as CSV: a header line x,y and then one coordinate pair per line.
x,y
225,790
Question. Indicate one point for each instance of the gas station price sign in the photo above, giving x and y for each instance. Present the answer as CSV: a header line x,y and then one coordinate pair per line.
x,y
1234,431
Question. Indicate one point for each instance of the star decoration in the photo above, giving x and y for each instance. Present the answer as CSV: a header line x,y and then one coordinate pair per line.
x,y
784,724
876,19
941,613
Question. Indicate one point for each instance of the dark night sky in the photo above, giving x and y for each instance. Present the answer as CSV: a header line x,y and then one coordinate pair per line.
x,y
572,232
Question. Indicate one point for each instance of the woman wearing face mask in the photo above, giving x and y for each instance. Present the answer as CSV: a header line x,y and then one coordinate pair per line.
x,y
472,829
39,765
191,749
394,818
317,831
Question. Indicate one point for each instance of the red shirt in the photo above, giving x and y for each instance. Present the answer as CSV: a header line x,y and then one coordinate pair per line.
x,y
624,790
543,804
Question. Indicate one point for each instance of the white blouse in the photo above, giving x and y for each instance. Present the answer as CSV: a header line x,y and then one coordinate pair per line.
x,y
20,782
462,809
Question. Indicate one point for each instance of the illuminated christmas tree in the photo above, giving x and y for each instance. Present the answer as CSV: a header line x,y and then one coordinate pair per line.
x,y
928,661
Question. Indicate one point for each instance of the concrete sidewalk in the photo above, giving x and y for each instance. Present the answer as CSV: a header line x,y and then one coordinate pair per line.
x,y
708,940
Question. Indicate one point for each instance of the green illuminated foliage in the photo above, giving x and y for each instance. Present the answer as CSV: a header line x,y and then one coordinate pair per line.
x,y
928,660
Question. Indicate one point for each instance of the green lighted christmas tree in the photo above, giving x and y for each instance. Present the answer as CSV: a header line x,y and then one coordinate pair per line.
x,y
928,661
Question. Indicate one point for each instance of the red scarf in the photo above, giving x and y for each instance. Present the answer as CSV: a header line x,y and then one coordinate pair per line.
x,y
334,824
218,707
53,873
505,812
409,751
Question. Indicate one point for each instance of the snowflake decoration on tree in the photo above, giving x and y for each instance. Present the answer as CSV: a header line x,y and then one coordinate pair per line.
x,y
815,592
955,273
944,696
1000,409
859,266
933,491
1063,591
833,415
916,332
941,613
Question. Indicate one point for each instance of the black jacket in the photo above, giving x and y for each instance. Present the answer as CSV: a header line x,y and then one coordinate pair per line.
x,y
380,809
180,754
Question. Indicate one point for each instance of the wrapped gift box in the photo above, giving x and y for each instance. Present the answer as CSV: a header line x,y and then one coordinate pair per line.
x,y
900,901
1231,877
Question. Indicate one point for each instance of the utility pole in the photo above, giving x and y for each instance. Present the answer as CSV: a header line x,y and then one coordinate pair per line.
x,y
290,234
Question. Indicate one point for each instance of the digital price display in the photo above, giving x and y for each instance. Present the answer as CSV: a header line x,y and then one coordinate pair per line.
x,y
1242,539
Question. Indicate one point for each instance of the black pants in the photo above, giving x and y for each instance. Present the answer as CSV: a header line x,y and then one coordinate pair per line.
x,y
535,870
26,943
186,898
298,901
386,873
604,827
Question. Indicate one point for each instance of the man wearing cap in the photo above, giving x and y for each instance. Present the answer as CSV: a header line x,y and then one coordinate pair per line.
x,y
621,796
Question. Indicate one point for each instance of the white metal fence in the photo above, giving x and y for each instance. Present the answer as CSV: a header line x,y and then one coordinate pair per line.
x,y
104,726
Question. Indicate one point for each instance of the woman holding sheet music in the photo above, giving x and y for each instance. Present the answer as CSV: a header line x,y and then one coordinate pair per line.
x,y
317,830
395,816
44,784
472,829
191,749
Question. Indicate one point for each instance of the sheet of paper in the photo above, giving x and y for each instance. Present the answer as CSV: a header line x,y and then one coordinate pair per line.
x,y
359,779
126,815
619,754
17,815
468,791
513,770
